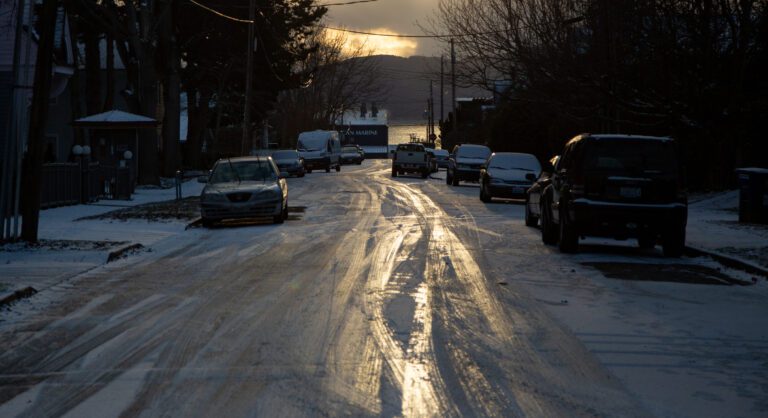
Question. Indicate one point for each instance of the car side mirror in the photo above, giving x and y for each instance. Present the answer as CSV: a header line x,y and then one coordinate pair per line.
x,y
530,176
202,179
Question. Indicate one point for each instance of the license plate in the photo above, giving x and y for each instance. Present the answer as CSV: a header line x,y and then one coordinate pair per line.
x,y
630,192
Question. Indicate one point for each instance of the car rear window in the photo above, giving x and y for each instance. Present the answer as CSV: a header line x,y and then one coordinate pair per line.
x,y
630,157
524,162
473,152
410,147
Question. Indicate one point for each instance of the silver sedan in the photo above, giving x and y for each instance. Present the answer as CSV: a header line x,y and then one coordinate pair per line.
x,y
244,187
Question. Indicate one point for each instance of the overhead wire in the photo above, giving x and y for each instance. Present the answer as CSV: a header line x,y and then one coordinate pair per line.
x,y
359,32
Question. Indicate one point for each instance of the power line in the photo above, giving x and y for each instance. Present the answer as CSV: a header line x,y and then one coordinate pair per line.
x,y
394,35
220,14
346,3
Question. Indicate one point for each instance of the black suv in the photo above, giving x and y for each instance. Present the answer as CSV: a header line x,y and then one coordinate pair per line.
x,y
617,186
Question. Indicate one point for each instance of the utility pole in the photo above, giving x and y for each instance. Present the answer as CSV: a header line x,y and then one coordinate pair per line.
x,y
33,169
453,86
442,87
431,113
249,80
10,166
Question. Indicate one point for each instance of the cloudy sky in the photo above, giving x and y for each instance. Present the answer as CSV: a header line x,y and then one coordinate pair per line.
x,y
387,16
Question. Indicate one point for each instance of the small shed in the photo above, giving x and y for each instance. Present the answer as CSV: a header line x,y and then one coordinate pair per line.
x,y
115,138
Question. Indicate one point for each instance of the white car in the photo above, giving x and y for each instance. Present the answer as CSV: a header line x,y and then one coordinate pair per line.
x,y
508,175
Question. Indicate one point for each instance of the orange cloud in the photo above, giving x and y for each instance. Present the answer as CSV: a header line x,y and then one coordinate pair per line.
x,y
381,45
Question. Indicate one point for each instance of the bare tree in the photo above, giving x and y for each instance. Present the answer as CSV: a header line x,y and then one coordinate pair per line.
x,y
341,79
680,67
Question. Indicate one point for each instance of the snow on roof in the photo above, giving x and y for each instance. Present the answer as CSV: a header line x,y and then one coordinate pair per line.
x,y
115,119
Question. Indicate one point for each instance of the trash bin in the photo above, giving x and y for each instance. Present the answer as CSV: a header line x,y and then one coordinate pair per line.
x,y
753,195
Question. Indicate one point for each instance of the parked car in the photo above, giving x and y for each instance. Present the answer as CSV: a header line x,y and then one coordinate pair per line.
x,y
619,186
320,149
464,163
350,154
533,195
289,162
360,150
243,187
441,157
432,160
508,175
410,158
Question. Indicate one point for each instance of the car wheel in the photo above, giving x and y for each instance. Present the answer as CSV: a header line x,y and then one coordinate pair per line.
x,y
328,169
484,196
338,168
207,223
548,231
394,172
309,171
424,174
278,219
673,242
530,219
568,241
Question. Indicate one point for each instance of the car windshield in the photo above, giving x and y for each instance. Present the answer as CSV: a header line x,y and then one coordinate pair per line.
x,y
631,157
285,155
473,152
230,171
311,144
515,162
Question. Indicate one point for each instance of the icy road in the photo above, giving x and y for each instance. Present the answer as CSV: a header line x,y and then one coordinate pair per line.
x,y
389,297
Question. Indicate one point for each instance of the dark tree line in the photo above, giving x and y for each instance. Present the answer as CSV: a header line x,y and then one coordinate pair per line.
x,y
692,69
167,46
170,46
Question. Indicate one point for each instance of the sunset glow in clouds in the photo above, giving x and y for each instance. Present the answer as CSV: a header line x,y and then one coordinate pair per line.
x,y
380,45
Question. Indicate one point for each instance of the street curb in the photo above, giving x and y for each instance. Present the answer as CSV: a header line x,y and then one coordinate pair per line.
x,y
18,295
121,252
197,222
727,261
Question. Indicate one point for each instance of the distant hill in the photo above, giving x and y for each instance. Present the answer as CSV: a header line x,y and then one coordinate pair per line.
x,y
406,82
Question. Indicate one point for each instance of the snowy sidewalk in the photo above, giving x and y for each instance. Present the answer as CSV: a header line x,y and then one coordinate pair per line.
x,y
713,226
69,247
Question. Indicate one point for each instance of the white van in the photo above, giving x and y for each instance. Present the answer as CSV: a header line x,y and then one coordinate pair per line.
x,y
320,149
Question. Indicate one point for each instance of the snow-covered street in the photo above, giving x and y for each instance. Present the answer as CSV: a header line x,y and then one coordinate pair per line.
x,y
380,296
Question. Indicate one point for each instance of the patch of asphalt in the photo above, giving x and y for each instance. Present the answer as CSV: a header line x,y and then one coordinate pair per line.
x,y
17,295
728,261
169,210
124,252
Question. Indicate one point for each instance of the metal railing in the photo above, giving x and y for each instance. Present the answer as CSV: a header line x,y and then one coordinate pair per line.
x,y
74,183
